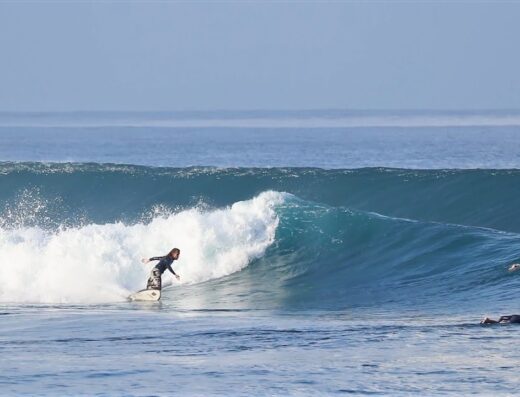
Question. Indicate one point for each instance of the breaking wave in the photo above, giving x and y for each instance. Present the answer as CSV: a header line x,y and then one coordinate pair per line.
x,y
281,238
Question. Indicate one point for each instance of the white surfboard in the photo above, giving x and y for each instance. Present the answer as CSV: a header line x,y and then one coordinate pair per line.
x,y
146,295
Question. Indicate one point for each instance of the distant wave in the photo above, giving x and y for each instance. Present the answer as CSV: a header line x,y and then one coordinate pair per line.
x,y
100,193
302,119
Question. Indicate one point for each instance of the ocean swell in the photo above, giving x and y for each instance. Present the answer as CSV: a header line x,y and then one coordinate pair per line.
x,y
104,193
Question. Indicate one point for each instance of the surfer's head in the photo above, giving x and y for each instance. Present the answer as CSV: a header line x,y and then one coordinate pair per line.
x,y
174,253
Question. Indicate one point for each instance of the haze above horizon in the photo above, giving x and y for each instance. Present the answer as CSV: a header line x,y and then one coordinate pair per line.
x,y
178,56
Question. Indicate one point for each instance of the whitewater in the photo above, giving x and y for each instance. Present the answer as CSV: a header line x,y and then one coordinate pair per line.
x,y
98,263
322,253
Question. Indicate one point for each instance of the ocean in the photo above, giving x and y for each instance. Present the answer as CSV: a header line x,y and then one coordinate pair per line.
x,y
322,253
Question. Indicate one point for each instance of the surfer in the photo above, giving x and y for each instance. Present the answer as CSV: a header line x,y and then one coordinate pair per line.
x,y
165,262
513,319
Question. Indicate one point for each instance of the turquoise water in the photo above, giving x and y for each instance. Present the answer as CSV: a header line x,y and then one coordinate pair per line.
x,y
314,276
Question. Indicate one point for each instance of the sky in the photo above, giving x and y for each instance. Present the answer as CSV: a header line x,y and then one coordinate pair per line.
x,y
238,55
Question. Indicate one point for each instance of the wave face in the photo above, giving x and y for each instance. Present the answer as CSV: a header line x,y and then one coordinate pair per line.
x,y
259,238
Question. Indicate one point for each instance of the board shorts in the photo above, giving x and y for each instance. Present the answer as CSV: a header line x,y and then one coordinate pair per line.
x,y
154,281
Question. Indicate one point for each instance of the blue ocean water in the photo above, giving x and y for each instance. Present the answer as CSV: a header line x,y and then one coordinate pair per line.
x,y
322,252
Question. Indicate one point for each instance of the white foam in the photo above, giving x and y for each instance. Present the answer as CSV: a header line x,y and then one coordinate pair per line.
x,y
101,263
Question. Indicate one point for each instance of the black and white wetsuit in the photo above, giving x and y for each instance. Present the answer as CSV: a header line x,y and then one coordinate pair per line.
x,y
165,262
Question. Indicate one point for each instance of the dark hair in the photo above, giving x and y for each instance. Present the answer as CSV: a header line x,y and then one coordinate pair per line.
x,y
175,251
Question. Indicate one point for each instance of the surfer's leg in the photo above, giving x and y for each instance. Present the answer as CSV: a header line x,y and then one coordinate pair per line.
x,y
149,283
158,282
154,282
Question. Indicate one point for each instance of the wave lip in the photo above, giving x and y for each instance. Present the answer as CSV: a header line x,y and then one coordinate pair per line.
x,y
100,262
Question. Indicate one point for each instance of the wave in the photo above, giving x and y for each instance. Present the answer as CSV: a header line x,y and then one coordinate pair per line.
x,y
104,193
259,238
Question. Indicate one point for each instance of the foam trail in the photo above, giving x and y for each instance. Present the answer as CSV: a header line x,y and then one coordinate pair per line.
x,y
100,263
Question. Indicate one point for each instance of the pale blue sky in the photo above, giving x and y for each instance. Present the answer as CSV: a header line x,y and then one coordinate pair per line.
x,y
57,56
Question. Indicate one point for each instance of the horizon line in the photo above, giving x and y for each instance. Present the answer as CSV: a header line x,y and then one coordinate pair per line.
x,y
253,110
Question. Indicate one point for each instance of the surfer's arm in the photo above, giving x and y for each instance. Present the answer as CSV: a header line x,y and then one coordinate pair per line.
x,y
155,258
175,274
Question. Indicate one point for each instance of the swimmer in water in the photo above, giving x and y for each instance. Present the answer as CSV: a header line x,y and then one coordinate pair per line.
x,y
514,267
513,319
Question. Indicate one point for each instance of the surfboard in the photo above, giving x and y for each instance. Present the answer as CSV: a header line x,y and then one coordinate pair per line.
x,y
146,295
